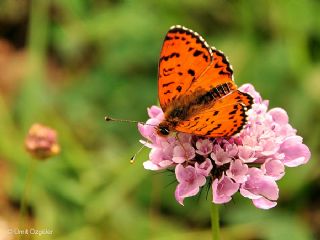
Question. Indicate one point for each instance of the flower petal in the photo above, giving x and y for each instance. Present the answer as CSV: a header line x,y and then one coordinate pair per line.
x,y
204,168
223,189
296,153
279,115
150,166
237,171
273,168
155,112
259,185
189,182
264,203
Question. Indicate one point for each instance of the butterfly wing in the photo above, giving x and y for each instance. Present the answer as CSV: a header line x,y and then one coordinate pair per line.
x,y
184,57
187,64
217,73
226,117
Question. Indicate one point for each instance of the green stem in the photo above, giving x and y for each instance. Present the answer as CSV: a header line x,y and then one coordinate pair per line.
x,y
24,200
215,228
33,90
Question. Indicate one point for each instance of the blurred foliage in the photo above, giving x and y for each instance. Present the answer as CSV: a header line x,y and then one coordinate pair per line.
x,y
68,63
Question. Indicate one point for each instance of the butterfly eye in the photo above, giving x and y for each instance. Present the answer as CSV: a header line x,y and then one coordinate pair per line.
x,y
163,131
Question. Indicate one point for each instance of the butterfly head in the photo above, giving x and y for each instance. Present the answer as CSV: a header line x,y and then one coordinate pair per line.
x,y
163,129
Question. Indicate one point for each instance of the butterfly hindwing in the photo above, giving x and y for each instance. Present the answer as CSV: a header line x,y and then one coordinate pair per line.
x,y
224,118
184,57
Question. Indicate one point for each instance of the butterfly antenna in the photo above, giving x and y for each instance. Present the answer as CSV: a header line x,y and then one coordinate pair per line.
x,y
133,158
110,119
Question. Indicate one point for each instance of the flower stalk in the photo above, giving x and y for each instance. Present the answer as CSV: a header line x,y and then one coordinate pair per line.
x,y
215,226
24,198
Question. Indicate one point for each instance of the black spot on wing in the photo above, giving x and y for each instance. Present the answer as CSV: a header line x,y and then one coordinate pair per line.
x,y
200,128
194,124
166,58
191,72
167,84
197,53
213,129
233,112
222,72
217,65
167,72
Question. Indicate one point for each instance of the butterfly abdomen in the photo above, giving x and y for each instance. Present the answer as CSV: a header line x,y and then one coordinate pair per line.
x,y
214,94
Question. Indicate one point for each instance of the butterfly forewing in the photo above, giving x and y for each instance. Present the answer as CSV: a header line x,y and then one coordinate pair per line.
x,y
184,57
217,73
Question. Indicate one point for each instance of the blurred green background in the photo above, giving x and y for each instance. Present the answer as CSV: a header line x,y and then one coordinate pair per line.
x,y
67,64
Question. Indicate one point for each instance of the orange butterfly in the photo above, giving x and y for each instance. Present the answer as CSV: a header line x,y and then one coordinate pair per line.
x,y
196,89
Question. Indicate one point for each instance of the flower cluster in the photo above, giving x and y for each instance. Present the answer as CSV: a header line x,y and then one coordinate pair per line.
x,y
250,162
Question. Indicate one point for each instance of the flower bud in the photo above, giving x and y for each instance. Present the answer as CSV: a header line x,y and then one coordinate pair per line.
x,y
41,141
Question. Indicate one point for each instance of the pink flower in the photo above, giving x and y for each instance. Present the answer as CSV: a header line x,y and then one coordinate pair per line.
x,y
279,116
246,154
148,131
223,189
231,149
248,88
273,168
204,168
269,146
155,112
250,162
261,188
238,171
189,182
41,142
183,153
219,156
204,147
295,152
160,157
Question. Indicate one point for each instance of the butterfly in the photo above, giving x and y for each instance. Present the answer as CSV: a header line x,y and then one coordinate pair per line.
x,y
196,89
